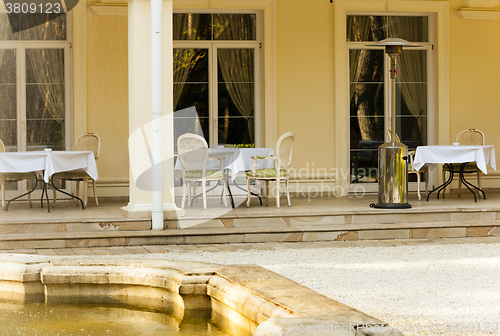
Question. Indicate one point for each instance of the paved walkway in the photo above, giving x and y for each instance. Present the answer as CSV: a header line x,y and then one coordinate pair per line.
x,y
148,249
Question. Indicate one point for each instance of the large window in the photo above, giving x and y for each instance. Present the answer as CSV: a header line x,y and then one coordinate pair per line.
x,y
34,86
370,89
215,70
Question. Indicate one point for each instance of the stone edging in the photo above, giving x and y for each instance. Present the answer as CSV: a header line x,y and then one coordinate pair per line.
x,y
254,297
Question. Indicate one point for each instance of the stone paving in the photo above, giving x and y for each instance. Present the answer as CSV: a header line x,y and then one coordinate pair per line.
x,y
149,249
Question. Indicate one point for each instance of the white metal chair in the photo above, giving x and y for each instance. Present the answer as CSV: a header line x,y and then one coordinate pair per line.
x,y
282,160
470,136
14,177
193,154
424,170
87,142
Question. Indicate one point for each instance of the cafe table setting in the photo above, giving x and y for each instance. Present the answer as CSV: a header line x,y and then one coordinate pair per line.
x,y
48,162
481,155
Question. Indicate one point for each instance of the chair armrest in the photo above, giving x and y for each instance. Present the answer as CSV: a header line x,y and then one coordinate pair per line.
x,y
260,157
221,159
263,157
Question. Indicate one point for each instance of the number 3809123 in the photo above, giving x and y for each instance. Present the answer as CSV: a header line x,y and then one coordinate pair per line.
x,y
27,8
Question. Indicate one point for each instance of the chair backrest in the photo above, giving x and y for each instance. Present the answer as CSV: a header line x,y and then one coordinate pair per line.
x,y
193,151
411,157
2,146
284,148
88,142
470,137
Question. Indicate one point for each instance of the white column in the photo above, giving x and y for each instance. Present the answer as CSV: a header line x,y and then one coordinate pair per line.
x,y
156,115
139,45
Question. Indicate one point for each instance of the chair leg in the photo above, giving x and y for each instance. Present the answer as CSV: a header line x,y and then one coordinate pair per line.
x,y
2,187
479,181
249,194
204,190
418,186
95,195
225,192
85,191
195,184
278,193
77,191
288,194
266,188
29,195
184,186
53,193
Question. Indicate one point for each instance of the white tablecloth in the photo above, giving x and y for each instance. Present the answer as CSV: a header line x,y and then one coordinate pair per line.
x,y
432,155
236,159
50,162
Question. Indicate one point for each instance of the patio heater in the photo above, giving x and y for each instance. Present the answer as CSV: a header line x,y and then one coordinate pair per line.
x,y
392,155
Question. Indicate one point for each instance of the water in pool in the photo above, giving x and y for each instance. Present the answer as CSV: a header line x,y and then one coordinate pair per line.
x,y
42,319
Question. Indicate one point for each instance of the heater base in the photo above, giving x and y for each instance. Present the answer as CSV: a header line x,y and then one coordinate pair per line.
x,y
391,205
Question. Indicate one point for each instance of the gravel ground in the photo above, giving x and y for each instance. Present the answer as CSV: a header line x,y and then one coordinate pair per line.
x,y
422,289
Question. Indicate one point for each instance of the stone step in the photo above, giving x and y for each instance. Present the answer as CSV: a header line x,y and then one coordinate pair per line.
x,y
275,221
249,234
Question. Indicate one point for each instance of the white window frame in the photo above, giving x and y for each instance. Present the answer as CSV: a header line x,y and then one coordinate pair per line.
x,y
20,46
428,46
213,46
439,100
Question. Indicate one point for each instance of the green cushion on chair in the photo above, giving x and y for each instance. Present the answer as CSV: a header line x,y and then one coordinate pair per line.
x,y
16,175
469,167
267,173
210,174
72,174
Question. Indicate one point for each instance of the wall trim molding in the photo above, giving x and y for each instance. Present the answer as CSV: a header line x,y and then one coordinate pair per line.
x,y
110,9
479,13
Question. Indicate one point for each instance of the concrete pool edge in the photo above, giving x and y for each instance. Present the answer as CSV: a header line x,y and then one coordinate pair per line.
x,y
275,305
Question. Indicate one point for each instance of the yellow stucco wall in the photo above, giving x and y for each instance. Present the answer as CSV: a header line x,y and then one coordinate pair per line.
x,y
305,70
475,75
107,87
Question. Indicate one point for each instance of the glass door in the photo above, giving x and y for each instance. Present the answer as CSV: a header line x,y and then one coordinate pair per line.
x,y
215,62
367,113
45,111
33,112
370,91
192,90
9,98
34,97
235,120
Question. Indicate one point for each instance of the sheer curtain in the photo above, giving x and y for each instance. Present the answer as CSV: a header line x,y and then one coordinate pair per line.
x,y
412,63
185,28
47,66
237,65
358,28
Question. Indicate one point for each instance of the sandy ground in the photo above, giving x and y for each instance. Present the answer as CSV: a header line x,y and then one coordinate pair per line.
x,y
426,289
